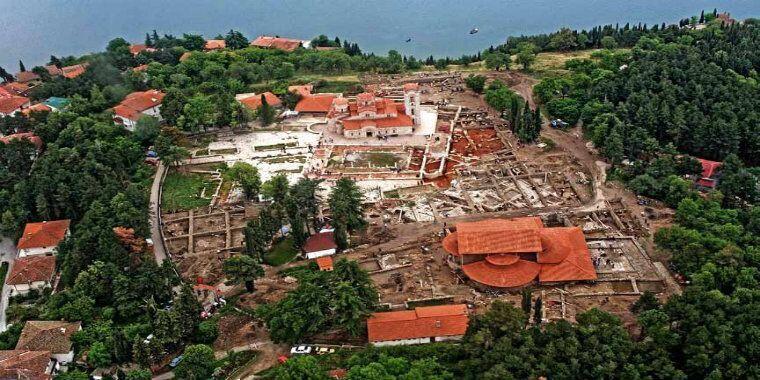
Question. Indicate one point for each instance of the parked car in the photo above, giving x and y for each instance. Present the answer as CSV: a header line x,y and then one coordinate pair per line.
x,y
300,350
325,350
175,361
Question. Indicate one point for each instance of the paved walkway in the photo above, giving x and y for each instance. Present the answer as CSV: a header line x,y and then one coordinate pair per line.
x,y
7,254
155,215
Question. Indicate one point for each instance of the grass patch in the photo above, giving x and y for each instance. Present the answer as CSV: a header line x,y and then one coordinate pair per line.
x,y
281,253
285,159
344,86
393,194
3,273
202,152
551,64
182,191
230,366
224,151
275,146
380,159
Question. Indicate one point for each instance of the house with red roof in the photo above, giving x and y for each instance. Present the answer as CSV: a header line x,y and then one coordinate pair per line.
x,y
27,76
325,263
215,45
31,273
318,105
74,71
42,238
139,48
321,244
710,173
11,105
303,90
15,88
29,136
252,101
26,365
279,43
137,105
514,253
53,336
370,116
421,325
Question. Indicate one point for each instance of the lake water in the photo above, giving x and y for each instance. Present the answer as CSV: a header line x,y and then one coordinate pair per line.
x,y
32,30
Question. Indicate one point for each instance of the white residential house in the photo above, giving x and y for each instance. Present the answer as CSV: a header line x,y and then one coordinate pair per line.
x,y
321,244
42,238
31,273
137,105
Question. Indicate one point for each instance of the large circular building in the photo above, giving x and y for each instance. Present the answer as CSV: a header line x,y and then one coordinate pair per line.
x,y
513,253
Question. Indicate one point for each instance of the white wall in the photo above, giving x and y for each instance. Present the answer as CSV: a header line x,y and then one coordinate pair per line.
x,y
66,358
326,252
36,251
402,342
25,288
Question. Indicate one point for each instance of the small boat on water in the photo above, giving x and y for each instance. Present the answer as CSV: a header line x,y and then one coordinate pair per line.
x,y
409,39
474,30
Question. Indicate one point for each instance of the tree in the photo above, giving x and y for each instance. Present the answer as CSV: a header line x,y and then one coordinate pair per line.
x,y
247,176
526,300
476,83
242,269
609,42
197,363
265,112
199,113
139,374
98,355
276,189
301,367
526,54
646,302
538,311
346,207
21,66
235,40
496,60
6,76
147,130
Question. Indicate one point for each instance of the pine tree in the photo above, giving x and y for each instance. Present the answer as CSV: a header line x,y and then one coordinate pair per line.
x,y
266,112
538,311
156,38
702,17
55,61
21,67
148,41
526,300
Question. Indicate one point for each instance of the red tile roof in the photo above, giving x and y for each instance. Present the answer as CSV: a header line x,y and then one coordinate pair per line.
x,y
215,44
43,234
709,169
74,71
27,270
318,103
12,88
561,252
423,322
137,49
26,76
303,89
320,242
8,105
325,263
253,102
23,364
34,139
499,236
137,102
53,70
279,43
577,265
53,336
518,274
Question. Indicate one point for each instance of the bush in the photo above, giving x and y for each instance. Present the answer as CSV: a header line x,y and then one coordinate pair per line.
x,y
207,331
476,83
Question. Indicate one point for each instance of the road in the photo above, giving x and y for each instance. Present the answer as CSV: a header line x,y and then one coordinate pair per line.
x,y
7,254
159,249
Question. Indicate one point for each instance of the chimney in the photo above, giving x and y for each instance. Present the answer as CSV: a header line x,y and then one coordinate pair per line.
x,y
438,324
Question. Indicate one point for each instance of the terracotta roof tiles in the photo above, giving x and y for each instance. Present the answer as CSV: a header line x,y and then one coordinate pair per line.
x,y
43,234
318,103
253,101
27,270
423,322
23,364
8,105
279,43
320,242
53,336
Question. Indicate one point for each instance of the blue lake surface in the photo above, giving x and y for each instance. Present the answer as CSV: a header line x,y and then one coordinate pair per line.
x,y
32,30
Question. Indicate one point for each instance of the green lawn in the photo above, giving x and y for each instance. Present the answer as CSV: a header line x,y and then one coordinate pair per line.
x,y
281,253
182,191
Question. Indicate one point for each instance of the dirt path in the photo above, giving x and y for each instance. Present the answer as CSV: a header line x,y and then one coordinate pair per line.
x,y
268,353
